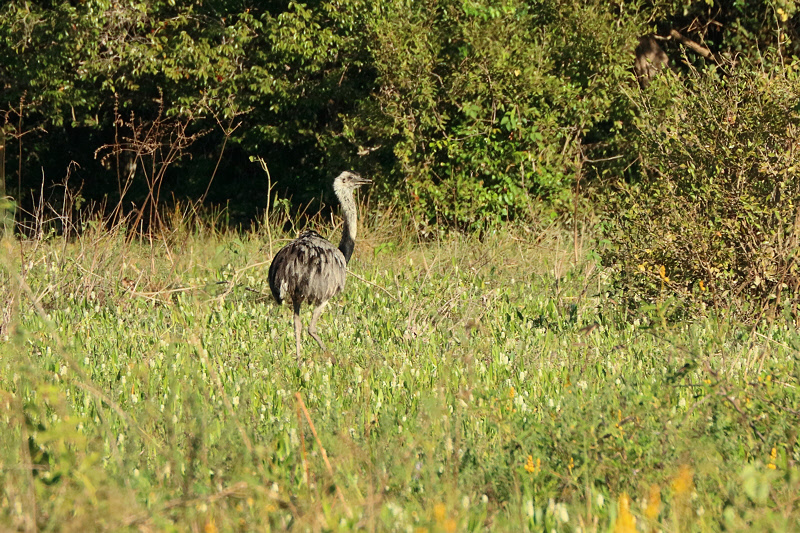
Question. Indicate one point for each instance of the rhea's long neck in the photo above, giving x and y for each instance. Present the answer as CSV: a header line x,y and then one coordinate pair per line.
x,y
350,228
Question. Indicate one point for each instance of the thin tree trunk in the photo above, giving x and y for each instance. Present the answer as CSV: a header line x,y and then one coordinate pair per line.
x,y
2,162
4,219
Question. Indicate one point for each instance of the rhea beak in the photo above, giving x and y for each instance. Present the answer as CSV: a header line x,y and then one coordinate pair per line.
x,y
359,181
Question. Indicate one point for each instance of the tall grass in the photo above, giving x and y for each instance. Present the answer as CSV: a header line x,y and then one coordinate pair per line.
x,y
477,384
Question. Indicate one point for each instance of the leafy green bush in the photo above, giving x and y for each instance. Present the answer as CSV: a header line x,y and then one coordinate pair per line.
x,y
714,219
487,105
469,109
83,76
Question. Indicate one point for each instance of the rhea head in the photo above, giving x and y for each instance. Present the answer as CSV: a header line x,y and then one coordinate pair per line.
x,y
348,181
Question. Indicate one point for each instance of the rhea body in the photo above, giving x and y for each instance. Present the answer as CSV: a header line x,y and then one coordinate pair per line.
x,y
310,269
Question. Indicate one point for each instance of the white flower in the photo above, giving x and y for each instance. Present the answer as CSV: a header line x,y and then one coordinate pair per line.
x,y
395,509
529,508
561,513
519,403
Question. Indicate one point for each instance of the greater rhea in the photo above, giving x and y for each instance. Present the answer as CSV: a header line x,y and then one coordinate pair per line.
x,y
312,270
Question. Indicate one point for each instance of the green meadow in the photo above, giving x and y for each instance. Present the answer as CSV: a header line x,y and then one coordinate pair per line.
x,y
574,299
472,384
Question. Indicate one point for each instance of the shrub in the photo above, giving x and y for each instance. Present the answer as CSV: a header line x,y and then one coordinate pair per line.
x,y
714,220
487,106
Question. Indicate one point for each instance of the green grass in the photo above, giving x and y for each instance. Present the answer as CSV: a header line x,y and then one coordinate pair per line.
x,y
476,385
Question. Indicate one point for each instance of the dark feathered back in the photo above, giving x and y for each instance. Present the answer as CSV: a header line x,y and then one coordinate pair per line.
x,y
309,269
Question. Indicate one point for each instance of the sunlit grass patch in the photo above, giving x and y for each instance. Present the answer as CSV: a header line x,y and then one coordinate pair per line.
x,y
477,384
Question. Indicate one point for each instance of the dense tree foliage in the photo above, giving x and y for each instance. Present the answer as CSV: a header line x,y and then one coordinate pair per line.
x,y
189,86
467,109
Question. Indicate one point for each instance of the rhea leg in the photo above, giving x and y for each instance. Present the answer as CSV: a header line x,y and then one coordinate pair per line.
x,y
312,327
298,327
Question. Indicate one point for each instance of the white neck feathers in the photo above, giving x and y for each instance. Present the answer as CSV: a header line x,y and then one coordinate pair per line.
x,y
349,214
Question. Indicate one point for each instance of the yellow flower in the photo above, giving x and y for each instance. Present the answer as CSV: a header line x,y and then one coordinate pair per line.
x,y
702,286
512,393
450,526
662,271
653,502
683,483
439,512
626,522
773,456
210,526
529,466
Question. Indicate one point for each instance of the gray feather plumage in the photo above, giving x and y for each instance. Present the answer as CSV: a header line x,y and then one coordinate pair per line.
x,y
307,270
